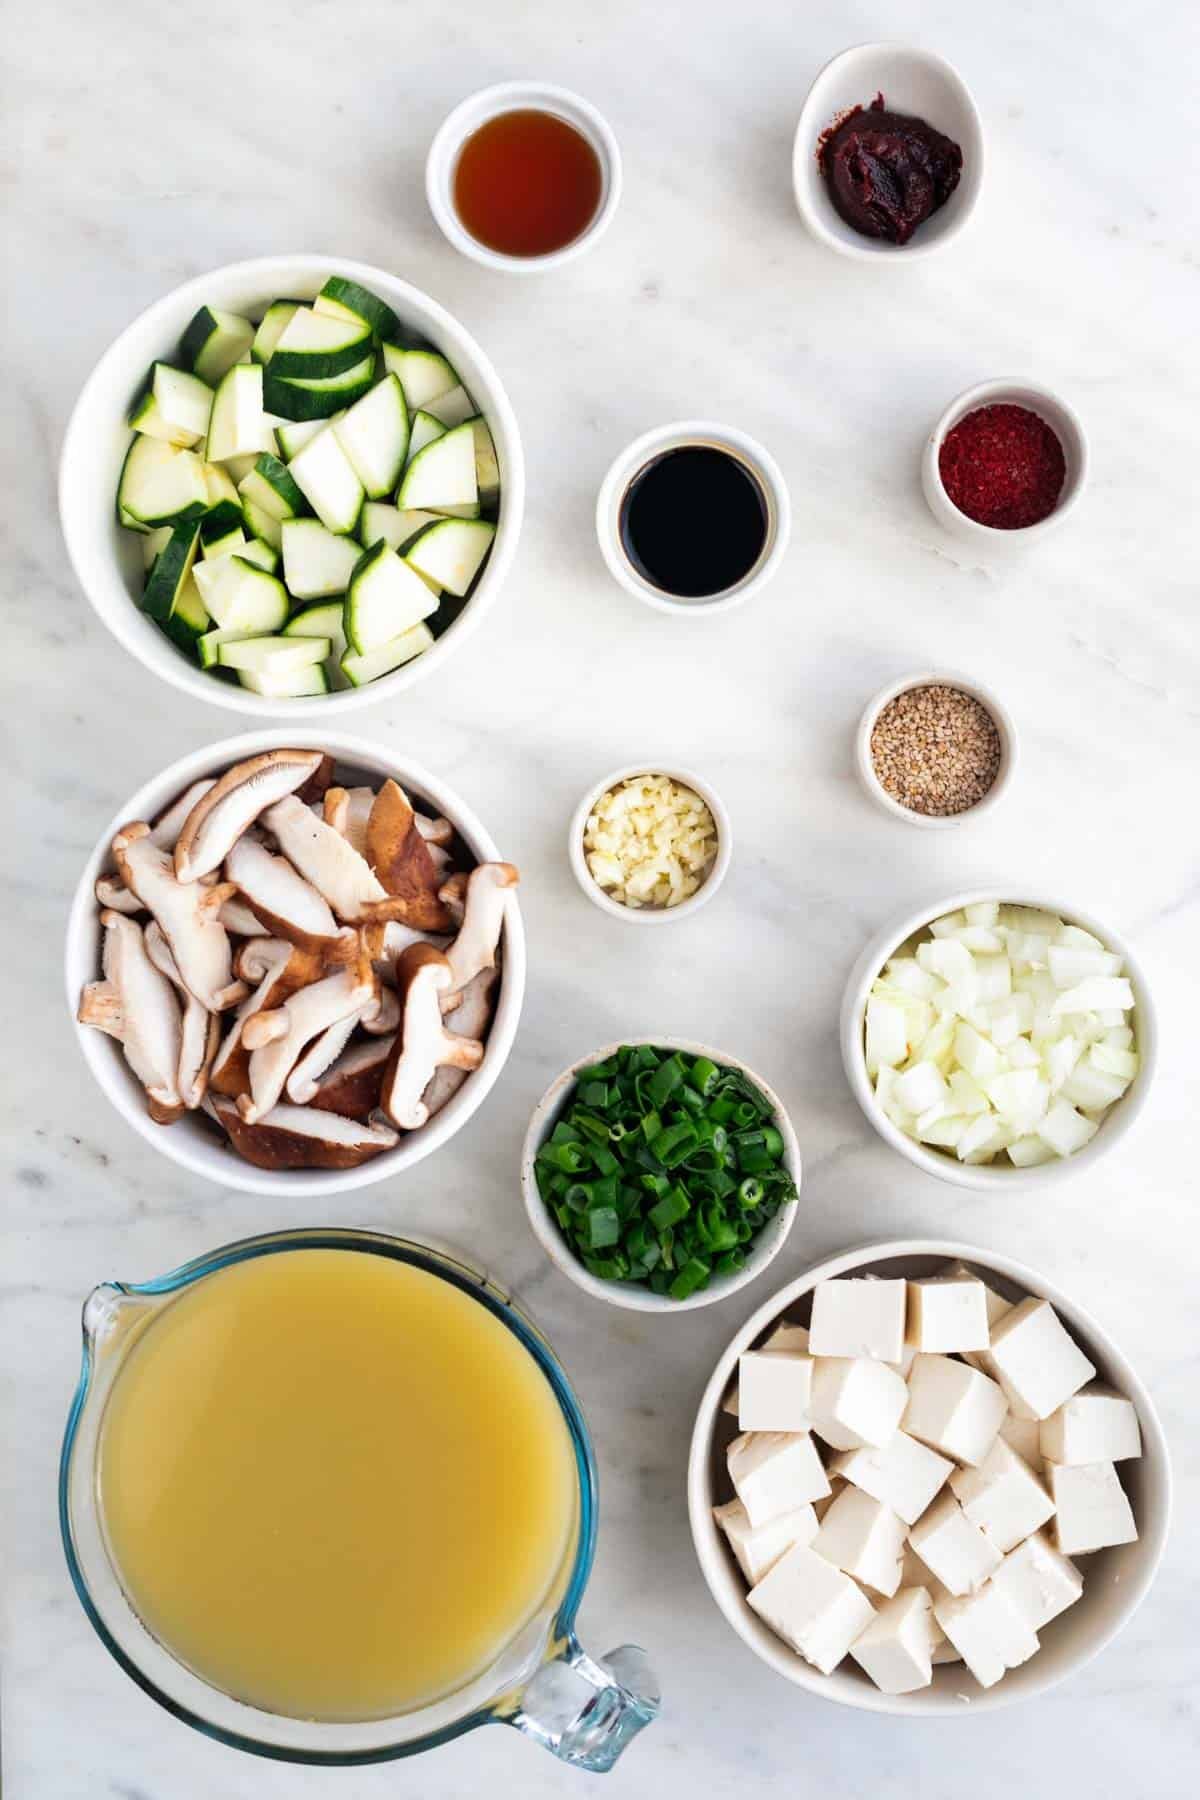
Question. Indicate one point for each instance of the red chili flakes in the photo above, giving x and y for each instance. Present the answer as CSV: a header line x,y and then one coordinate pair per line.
x,y
1003,466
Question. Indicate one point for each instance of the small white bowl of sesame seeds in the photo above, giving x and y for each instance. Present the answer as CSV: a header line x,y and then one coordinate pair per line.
x,y
935,749
650,843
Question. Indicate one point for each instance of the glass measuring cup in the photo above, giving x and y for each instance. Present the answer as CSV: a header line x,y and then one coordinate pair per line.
x,y
543,1683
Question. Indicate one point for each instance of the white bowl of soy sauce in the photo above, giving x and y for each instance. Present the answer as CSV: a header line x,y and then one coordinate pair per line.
x,y
693,517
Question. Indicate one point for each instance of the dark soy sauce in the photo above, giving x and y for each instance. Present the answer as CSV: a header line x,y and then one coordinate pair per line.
x,y
693,521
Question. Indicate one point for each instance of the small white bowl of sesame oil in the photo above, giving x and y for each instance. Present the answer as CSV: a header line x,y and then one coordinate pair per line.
x,y
935,749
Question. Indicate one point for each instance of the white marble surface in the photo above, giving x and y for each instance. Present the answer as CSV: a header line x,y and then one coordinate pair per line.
x,y
160,141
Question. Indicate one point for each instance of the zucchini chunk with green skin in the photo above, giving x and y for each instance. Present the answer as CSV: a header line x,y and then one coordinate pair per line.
x,y
156,540
443,474
323,621
453,408
263,524
160,485
291,684
173,405
273,655
214,341
374,435
346,299
487,466
359,670
384,600
188,619
316,561
423,374
396,528
243,597
271,487
271,328
325,476
293,434
224,543
424,430
452,552
208,647
313,346
238,426
172,567
297,398
222,489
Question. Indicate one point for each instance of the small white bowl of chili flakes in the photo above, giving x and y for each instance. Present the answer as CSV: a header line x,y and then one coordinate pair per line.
x,y
935,749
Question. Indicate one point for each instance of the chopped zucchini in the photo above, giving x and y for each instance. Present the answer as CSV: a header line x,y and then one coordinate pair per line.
x,y
188,620
222,489
294,434
396,528
270,486
323,621
452,552
443,474
217,540
325,476
153,542
172,567
295,398
487,466
292,684
263,524
237,426
340,298
313,346
423,374
272,655
159,484
271,328
241,596
452,408
172,405
316,562
374,435
385,598
214,341
359,670
425,428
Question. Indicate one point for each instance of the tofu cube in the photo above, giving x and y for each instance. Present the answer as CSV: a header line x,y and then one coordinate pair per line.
x,y
784,1337
858,1318
1003,1497
953,1408
988,1632
773,1472
896,1649
759,1550
1025,1437
945,1651
855,1401
1037,1359
821,1507
812,1606
1092,1510
902,1474
1038,1580
863,1539
947,1313
1095,1425
774,1387
954,1550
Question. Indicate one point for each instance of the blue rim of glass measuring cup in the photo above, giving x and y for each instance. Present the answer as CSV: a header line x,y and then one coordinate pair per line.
x,y
443,1265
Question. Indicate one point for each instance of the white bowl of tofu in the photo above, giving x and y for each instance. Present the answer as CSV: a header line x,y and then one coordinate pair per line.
x,y
108,560
999,1037
906,1527
188,1134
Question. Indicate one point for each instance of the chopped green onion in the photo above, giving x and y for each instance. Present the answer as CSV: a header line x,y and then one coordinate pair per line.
x,y
694,1274
750,1191
603,1227
704,1075
670,1209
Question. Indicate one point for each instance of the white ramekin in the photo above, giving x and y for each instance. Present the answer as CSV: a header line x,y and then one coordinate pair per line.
x,y
650,915
623,1293
515,96
192,1143
865,768
1061,418
107,559
995,1177
1116,1580
911,81
674,437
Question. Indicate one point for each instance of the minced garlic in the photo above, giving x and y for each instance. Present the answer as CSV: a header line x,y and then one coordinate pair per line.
x,y
650,841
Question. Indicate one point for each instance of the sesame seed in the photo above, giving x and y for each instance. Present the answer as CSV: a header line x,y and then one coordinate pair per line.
x,y
935,751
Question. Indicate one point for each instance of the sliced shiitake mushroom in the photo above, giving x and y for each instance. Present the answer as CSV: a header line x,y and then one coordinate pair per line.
x,y
135,1003
303,1137
220,816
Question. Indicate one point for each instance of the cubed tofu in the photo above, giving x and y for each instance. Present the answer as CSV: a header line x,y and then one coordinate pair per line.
x,y
858,1318
812,1606
774,1388
953,1549
784,1337
1095,1425
863,1539
1038,1580
1091,1508
947,1313
1003,1497
953,1408
855,1401
896,1649
1036,1359
902,1473
759,1550
773,1472
1025,1437
988,1632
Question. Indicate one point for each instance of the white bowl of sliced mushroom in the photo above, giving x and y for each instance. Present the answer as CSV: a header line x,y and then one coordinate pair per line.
x,y
296,964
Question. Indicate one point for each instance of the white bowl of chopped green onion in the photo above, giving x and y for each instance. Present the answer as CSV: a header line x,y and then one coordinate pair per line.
x,y
660,1177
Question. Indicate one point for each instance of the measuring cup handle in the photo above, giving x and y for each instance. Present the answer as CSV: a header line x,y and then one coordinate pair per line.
x,y
586,1712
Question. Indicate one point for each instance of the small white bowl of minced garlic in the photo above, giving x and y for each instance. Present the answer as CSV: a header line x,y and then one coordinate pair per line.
x,y
649,844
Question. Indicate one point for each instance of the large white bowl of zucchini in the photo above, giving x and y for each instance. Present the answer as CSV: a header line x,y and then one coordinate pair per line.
x,y
292,485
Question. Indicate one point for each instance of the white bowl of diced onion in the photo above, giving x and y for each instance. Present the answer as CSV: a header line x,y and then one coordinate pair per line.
x,y
691,866
986,1031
